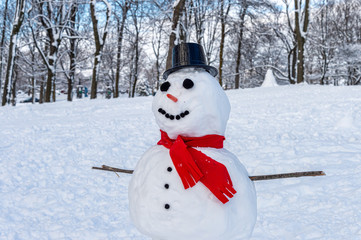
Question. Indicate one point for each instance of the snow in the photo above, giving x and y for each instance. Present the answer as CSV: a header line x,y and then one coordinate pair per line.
x,y
49,191
269,79
176,2
109,8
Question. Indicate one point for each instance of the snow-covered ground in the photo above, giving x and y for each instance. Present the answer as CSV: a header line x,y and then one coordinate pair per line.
x,y
49,191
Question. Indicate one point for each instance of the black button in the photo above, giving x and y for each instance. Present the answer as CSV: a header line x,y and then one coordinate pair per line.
x,y
166,185
167,206
169,169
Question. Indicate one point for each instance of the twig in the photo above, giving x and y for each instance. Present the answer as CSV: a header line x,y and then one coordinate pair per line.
x,y
287,175
253,178
112,169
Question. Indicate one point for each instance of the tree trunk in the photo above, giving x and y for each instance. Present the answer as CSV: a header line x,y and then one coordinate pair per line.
x,y
99,44
156,46
54,91
238,63
19,16
177,12
136,49
121,25
33,89
239,47
2,42
51,73
223,16
41,95
136,66
300,37
73,51
324,36
13,88
300,60
94,86
292,66
10,64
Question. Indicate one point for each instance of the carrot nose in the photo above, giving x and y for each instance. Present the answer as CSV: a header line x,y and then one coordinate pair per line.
x,y
171,97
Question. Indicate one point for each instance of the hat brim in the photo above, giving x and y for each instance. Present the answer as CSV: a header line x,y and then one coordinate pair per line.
x,y
212,70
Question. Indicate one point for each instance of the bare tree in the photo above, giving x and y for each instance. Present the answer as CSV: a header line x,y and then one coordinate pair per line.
x,y
177,13
302,15
2,41
156,46
137,22
223,14
211,34
99,38
30,64
199,9
241,23
125,6
54,19
73,41
17,22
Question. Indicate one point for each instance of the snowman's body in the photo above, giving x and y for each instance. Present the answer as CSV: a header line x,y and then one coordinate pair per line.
x,y
160,207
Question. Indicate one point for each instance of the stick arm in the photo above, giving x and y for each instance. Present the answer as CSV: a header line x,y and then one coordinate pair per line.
x,y
253,178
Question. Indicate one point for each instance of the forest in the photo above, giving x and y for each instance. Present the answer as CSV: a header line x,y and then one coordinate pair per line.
x,y
122,47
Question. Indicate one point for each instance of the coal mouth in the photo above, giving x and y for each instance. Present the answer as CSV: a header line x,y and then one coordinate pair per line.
x,y
171,116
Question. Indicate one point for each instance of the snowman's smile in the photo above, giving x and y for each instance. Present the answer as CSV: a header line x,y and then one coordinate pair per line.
x,y
171,116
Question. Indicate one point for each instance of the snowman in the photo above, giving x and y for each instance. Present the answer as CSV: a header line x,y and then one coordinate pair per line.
x,y
188,186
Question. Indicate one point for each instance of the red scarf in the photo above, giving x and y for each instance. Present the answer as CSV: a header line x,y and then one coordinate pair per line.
x,y
193,165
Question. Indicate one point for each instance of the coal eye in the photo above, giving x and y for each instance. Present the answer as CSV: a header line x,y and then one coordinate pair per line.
x,y
165,86
187,83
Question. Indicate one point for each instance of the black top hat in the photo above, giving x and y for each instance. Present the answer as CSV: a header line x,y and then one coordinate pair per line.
x,y
189,55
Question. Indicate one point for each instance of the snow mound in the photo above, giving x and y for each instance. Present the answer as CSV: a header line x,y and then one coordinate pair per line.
x,y
269,80
346,122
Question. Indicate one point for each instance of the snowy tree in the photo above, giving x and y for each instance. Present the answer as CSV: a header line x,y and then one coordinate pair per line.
x,y
205,28
73,41
334,43
284,31
302,15
137,18
30,63
240,30
158,46
2,41
100,36
52,19
223,14
124,6
17,22
178,8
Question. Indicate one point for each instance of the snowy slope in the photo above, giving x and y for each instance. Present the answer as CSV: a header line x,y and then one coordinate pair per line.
x,y
49,191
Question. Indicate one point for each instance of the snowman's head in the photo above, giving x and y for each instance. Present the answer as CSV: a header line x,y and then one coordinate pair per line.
x,y
191,103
